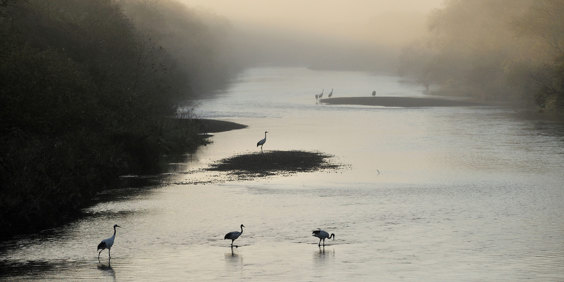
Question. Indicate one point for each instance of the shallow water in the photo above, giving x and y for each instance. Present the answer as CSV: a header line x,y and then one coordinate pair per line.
x,y
466,193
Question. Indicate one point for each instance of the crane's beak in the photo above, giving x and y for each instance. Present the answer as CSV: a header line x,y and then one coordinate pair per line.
x,y
118,226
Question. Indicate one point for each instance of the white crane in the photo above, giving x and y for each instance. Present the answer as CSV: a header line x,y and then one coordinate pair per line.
x,y
107,243
262,141
322,235
233,235
330,93
321,95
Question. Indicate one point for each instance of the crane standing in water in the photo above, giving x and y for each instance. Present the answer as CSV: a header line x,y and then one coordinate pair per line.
x,y
322,235
262,141
233,235
107,243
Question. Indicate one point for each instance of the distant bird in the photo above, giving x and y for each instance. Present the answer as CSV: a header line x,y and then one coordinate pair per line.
x,y
374,93
233,235
107,243
330,93
262,141
321,95
322,235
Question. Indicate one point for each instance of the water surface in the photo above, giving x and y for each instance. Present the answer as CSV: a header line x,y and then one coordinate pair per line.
x,y
463,193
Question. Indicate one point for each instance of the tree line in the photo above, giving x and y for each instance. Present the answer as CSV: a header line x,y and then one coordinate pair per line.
x,y
87,92
508,51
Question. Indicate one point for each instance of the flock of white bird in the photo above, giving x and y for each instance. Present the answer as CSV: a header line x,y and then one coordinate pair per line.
x,y
320,95
233,235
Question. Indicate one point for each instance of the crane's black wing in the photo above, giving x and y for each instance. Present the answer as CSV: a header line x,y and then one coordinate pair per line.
x,y
102,245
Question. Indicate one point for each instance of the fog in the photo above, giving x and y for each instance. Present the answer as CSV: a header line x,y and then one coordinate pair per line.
x,y
127,94
496,51
340,34
506,51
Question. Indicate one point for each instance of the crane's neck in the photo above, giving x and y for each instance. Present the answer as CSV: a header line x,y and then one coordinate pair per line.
x,y
241,229
113,236
332,236
265,135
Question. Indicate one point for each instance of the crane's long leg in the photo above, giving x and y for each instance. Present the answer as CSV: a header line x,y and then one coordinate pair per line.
x,y
109,256
99,254
319,244
323,242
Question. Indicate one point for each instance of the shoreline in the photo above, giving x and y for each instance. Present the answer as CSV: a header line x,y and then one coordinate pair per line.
x,y
400,102
90,197
216,125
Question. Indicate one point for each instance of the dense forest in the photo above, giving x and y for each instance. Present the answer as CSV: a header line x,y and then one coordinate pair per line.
x,y
88,89
503,51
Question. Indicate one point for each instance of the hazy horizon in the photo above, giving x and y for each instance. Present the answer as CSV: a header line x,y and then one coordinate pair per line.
x,y
351,34
358,20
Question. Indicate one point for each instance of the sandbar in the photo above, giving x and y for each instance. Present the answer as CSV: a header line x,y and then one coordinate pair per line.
x,y
401,102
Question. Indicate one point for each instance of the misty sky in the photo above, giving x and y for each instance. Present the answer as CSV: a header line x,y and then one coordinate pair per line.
x,y
386,22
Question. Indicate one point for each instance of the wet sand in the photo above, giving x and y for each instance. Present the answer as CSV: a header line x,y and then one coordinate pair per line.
x,y
397,102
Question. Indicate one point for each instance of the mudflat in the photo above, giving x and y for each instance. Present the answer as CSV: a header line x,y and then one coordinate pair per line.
x,y
389,101
274,162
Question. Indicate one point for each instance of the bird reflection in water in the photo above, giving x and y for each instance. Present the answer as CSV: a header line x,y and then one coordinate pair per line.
x,y
231,255
108,270
233,259
321,255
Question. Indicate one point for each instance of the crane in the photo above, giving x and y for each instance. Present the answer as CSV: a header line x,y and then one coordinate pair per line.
x,y
330,93
233,235
262,141
107,243
322,235
321,95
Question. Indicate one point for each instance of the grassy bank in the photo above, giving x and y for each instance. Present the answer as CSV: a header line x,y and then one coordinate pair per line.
x,y
84,98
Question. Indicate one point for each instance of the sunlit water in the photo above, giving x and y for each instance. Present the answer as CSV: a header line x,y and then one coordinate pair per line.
x,y
443,194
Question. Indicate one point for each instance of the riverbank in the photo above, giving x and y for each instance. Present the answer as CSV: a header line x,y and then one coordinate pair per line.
x,y
30,207
215,126
402,102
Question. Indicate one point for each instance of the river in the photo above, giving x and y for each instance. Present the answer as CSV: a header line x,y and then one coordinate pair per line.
x,y
442,194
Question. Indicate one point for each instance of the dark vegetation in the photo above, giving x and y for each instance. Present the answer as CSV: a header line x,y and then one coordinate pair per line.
x,y
503,51
273,162
213,125
87,92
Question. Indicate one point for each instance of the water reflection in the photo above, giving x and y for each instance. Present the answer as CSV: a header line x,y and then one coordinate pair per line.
x,y
232,255
107,270
234,260
440,185
320,256
26,268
